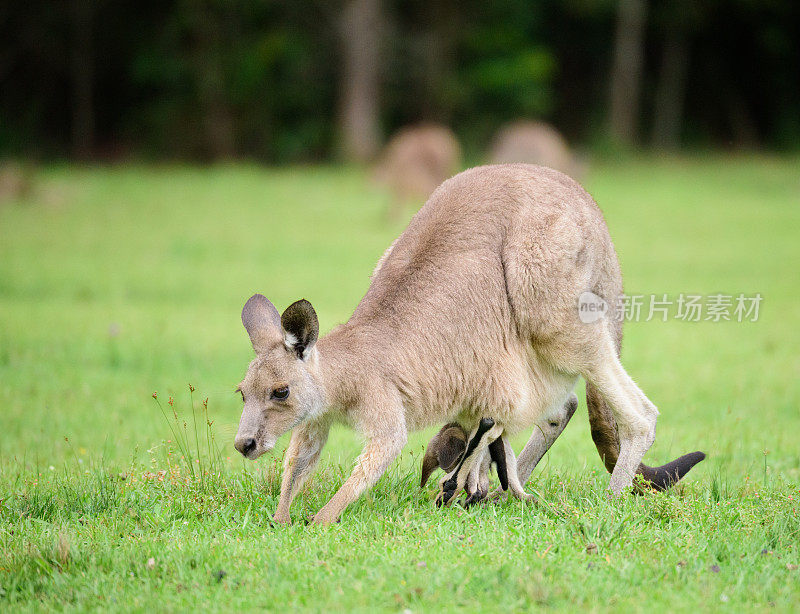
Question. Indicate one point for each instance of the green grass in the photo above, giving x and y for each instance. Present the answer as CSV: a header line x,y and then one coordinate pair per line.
x,y
117,282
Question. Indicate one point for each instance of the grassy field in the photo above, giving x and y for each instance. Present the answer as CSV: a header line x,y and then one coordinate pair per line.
x,y
118,282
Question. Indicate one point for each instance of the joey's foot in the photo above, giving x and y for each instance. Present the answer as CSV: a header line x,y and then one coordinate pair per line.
x,y
524,496
446,494
497,496
479,496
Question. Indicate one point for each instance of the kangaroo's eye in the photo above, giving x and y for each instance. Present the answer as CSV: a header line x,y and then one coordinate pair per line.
x,y
280,394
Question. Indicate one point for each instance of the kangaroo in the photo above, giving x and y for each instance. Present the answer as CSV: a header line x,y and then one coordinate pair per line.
x,y
471,313
447,447
534,142
415,161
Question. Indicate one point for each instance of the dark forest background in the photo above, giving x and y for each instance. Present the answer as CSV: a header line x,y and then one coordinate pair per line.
x,y
282,81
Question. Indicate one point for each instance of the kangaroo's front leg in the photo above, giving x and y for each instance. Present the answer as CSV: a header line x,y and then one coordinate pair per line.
x,y
378,454
302,456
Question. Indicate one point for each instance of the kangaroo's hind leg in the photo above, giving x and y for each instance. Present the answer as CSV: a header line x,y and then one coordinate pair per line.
x,y
635,415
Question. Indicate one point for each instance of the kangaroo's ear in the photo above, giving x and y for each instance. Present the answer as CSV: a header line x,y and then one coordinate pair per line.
x,y
444,450
300,328
262,322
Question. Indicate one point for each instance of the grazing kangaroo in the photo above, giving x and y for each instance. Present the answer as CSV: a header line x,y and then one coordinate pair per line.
x,y
472,312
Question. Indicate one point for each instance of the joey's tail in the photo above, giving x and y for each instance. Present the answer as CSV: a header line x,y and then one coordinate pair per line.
x,y
604,434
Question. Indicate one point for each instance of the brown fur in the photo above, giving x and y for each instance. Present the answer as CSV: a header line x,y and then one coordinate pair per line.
x,y
472,313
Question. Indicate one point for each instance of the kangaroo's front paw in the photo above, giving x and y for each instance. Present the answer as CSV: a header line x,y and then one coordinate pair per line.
x,y
473,499
325,519
479,496
281,518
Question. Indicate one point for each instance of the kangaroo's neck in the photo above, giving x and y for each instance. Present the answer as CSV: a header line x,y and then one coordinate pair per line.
x,y
352,358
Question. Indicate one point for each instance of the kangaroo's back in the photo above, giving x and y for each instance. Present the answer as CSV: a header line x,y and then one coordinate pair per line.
x,y
508,235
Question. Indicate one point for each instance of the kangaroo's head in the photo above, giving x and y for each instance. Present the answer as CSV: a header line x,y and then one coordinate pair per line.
x,y
444,450
282,387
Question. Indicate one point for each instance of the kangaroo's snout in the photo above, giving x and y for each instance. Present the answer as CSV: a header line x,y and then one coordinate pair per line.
x,y
246,446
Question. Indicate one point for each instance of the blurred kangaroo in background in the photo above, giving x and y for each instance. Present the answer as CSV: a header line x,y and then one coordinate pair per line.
x,y
415,162
534,142
472,312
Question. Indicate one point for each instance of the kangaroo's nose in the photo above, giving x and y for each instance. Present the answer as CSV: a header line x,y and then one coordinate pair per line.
x,y
245,446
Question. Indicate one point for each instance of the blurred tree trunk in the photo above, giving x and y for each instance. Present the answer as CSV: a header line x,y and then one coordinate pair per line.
x,y
209,28
437,58
82,77
218,123
626,72
360,29
743,126
668,114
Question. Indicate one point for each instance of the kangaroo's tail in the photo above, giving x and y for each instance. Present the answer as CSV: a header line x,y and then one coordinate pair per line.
x,y
604,434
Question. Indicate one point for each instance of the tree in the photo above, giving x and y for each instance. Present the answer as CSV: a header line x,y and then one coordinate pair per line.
x,y
360,29
668,112
626,72
82,77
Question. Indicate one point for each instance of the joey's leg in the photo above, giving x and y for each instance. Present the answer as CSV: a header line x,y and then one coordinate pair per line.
x,y
545,432
544,435
379,452
513,480
634,413
452,484
302,455
498,454
477,487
